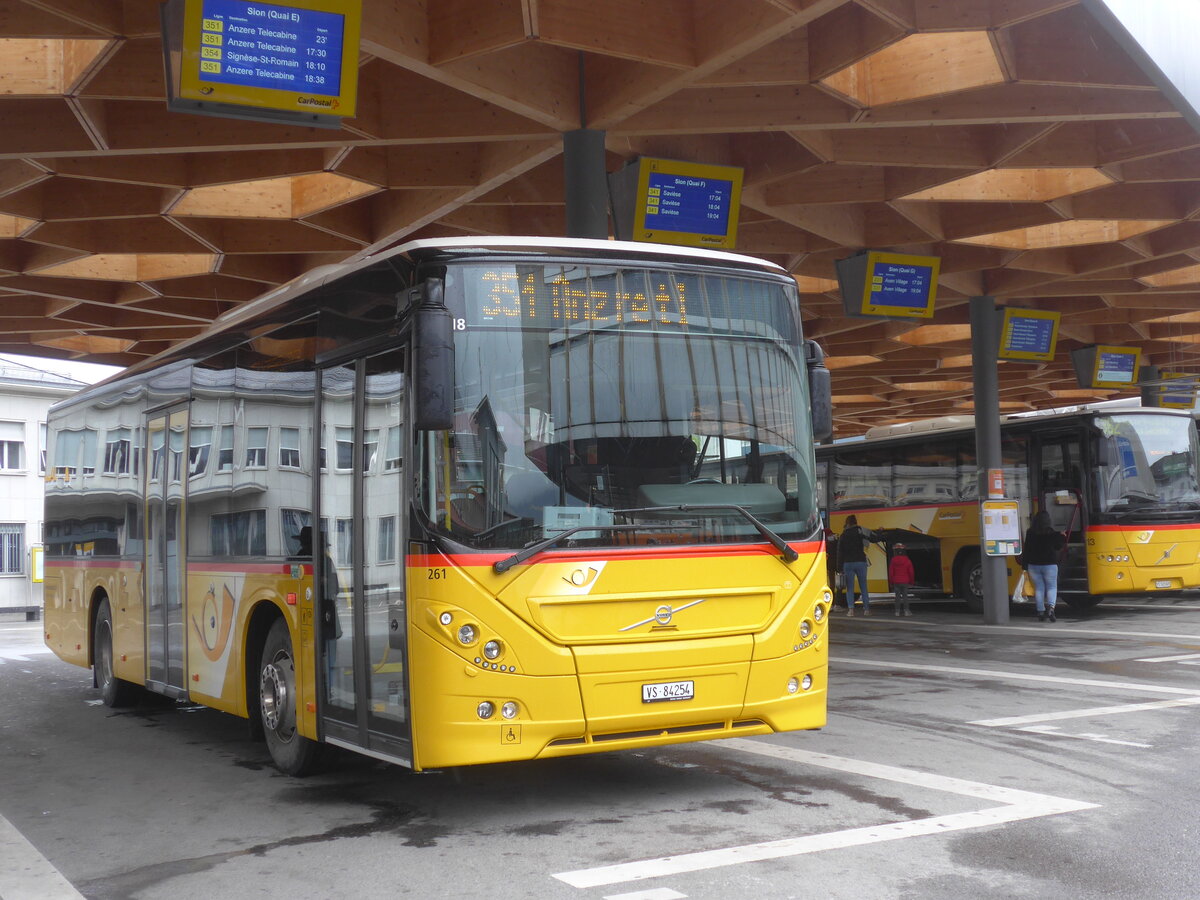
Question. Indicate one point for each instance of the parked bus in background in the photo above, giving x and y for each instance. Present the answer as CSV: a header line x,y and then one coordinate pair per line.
x,y
465,501
1122,482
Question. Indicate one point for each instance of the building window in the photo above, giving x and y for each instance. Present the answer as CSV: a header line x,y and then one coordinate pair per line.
x,y
177,440
42,448
370,449
225,451
391,456
256,448
12,445
291,521
289,448
12,549
345,542
87,439
239,534
117,452
387,539
201,446
344,448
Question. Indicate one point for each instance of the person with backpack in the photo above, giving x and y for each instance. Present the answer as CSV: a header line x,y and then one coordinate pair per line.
x,y
852,559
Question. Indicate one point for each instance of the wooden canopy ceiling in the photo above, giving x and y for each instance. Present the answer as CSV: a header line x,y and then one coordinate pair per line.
x,y
1015,139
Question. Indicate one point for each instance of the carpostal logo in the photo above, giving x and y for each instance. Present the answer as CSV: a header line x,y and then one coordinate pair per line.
x,y
323,102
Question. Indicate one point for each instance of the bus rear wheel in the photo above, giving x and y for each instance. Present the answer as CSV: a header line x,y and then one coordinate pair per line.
x,y
292,753
113,690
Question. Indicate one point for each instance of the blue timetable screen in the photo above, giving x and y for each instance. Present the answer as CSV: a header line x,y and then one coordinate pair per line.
x,y
688,203
893,284
1029,335
263,45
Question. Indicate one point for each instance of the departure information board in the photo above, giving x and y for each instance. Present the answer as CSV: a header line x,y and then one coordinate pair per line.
x,y
890,285
1116,365
267,46
1028,335
294,62
686,203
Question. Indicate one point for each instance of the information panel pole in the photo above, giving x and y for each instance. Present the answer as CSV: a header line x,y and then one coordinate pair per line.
x,y
586,184
985,343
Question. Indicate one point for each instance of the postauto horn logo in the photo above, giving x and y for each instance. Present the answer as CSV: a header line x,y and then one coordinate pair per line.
x,y
323,102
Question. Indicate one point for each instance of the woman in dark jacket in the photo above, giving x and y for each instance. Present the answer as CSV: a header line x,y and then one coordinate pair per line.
x,y
1039,555
852,559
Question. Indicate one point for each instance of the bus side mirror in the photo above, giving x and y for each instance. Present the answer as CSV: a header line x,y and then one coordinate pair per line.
x,y
433,360
820,391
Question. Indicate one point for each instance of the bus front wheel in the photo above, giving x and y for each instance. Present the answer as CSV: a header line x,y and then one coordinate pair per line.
x,y
292,753
970,580
113,690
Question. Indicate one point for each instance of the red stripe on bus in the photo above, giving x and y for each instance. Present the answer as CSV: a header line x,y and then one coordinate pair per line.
x,y
609,554
1145,526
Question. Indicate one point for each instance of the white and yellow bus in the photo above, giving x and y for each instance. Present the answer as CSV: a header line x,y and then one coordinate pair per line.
x,y
1122,482
464,501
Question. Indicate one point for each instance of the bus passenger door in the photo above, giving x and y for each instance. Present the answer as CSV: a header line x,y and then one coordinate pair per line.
x,y
362,503
166,487
1061,493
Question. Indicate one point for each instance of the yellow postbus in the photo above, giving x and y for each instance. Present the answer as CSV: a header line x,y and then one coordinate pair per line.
x,y
1121,481
467,500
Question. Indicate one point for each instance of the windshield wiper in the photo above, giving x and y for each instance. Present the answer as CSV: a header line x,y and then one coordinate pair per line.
x,y
772,537
532,550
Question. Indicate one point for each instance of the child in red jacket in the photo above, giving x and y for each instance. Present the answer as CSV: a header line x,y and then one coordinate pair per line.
x,y
900,573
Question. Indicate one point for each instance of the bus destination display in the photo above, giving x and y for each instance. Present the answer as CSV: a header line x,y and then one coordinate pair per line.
x,y
266,46
1028,335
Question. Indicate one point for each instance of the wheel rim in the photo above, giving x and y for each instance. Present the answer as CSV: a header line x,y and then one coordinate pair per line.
x,y
104,667
275,691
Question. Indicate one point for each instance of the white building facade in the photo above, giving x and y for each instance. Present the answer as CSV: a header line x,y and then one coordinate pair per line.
x,y
25,396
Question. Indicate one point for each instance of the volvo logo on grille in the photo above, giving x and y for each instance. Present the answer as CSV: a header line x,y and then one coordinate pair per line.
x,y
662,615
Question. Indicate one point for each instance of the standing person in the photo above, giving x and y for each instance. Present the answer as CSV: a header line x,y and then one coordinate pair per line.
x,y
852,559
1039,557
902,576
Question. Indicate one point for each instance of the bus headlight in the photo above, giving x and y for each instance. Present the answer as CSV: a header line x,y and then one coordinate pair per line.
x,y
805,628
793,684
493,649
509,710
486,709
806,682
467,634
446,618
818,613
827,596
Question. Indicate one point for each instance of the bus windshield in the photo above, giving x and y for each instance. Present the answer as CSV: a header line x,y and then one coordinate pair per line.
x,y
603,396
1147,464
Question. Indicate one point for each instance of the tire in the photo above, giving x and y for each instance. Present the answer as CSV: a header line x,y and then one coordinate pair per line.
x,y
292,753
970,580
113,690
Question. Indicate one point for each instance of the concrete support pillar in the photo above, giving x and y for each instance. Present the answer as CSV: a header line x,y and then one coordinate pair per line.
x,y
985,345
586,184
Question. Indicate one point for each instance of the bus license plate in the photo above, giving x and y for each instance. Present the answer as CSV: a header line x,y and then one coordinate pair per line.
x,y
1162,583
668,690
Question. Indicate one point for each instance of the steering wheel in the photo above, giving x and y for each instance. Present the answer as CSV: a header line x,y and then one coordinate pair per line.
x,y
475,491
706,481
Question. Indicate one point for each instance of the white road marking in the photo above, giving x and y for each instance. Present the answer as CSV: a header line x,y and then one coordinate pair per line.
x,y
1061,629
1017,805
1053,731
1005,675
1168,658
24,872
1084,713
655,894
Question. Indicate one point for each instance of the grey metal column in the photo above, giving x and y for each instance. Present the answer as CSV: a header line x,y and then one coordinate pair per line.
x,y
586,184
985,344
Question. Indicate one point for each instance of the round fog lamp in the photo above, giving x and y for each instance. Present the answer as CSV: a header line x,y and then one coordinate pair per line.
x,y
509,710
467,634
805,629
807,682
486,709
492,649
793,684
445,618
